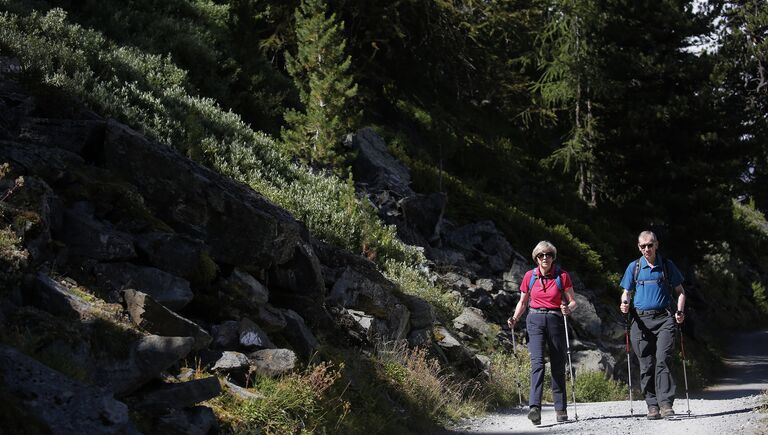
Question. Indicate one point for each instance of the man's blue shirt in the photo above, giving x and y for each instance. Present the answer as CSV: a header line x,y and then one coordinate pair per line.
x,y
650,294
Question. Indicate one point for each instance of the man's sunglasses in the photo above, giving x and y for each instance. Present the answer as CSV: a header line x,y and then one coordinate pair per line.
x,y
646,245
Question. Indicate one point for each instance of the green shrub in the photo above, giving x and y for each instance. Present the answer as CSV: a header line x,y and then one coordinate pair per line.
x,y
509,379
296,403
761,299
425,386
416,283
595,386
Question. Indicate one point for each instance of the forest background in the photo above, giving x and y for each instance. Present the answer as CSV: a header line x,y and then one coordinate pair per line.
x,y
580,122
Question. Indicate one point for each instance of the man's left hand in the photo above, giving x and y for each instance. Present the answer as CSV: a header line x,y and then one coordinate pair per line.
x,y
680,316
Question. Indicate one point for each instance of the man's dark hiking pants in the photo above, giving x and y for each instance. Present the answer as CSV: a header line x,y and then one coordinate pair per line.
x,y
547,328
653,340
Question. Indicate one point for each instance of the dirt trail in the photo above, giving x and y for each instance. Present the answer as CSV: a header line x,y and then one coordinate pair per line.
x,y
724,408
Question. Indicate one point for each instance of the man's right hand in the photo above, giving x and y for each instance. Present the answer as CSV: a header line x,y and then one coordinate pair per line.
x,y
624,307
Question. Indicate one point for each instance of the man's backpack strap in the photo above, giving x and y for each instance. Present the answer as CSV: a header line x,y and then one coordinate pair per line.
x,y
664,274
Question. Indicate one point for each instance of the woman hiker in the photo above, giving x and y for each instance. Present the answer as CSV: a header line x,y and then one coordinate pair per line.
x,y
548,290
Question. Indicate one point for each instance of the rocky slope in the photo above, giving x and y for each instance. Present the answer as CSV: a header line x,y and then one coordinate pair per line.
x,y
133,260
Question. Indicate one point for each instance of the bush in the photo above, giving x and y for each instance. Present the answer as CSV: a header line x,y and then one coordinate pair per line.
x,y
296,403
426,387
509,378
414,282
761,299
595,386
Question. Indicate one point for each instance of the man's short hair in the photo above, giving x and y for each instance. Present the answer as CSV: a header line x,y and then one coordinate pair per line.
x,y
648,233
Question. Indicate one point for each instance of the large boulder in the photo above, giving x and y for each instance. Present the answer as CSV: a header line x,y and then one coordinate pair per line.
x,y
88,237
151,316
298,283
366,290
375,167
170,290
178,254
43,292
148,358
37,399
239,225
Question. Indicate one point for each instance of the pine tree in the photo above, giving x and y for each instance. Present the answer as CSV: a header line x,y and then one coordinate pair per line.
x,y
320,71
568,86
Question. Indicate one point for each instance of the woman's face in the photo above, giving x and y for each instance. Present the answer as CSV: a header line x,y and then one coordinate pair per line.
x,y
545,260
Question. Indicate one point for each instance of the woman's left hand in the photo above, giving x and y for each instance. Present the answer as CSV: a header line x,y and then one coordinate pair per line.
x,y
564,308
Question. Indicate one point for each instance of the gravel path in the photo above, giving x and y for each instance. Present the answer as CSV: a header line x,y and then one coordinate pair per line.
x,y
724,408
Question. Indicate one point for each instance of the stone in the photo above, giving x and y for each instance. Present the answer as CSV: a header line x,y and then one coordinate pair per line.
x,y
273,362
153,317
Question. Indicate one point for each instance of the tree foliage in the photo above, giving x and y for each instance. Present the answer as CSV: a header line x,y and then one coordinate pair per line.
x,y
320,70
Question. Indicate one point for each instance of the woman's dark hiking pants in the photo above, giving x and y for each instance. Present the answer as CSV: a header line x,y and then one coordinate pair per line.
x,y
653,340
547,328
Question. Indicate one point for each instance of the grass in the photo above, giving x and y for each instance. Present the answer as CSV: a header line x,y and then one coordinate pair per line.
x,y
297,403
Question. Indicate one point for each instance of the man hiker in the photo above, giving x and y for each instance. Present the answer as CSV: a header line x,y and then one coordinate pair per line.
x,y
654,297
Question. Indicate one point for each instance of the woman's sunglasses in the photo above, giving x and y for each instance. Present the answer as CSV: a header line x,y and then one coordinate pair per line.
x,y
545,254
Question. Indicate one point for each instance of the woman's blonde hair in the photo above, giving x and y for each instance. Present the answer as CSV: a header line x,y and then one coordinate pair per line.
x,y
543,246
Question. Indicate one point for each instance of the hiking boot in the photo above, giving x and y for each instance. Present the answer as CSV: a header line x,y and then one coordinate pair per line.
x,y
653,412
667,411
535,415
561,416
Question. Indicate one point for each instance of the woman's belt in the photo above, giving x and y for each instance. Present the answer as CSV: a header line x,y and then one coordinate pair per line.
x,y
546,310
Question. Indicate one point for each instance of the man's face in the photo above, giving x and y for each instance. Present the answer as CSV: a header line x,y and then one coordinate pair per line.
x,y
647,247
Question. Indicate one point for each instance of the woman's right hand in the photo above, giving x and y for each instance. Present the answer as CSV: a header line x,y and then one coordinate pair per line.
x,y
511,322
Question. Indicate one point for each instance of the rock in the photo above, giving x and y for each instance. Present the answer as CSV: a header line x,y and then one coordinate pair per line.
x,y
87,237
368,291
226,335
239,225
472,322
421,216
594,360
450,345
299,279
53,403
179,255
49,164
243,288
178,395
151,316
171,291
232,361
514,276
149,357
251,336
422,312
585,317
199,420
76,136
299,335
242,393
47,294
271,319
420,337
273,362
375,167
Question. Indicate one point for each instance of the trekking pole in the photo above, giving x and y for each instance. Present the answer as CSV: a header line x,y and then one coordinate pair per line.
x,y
629,366
570,367
685,375
517,369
